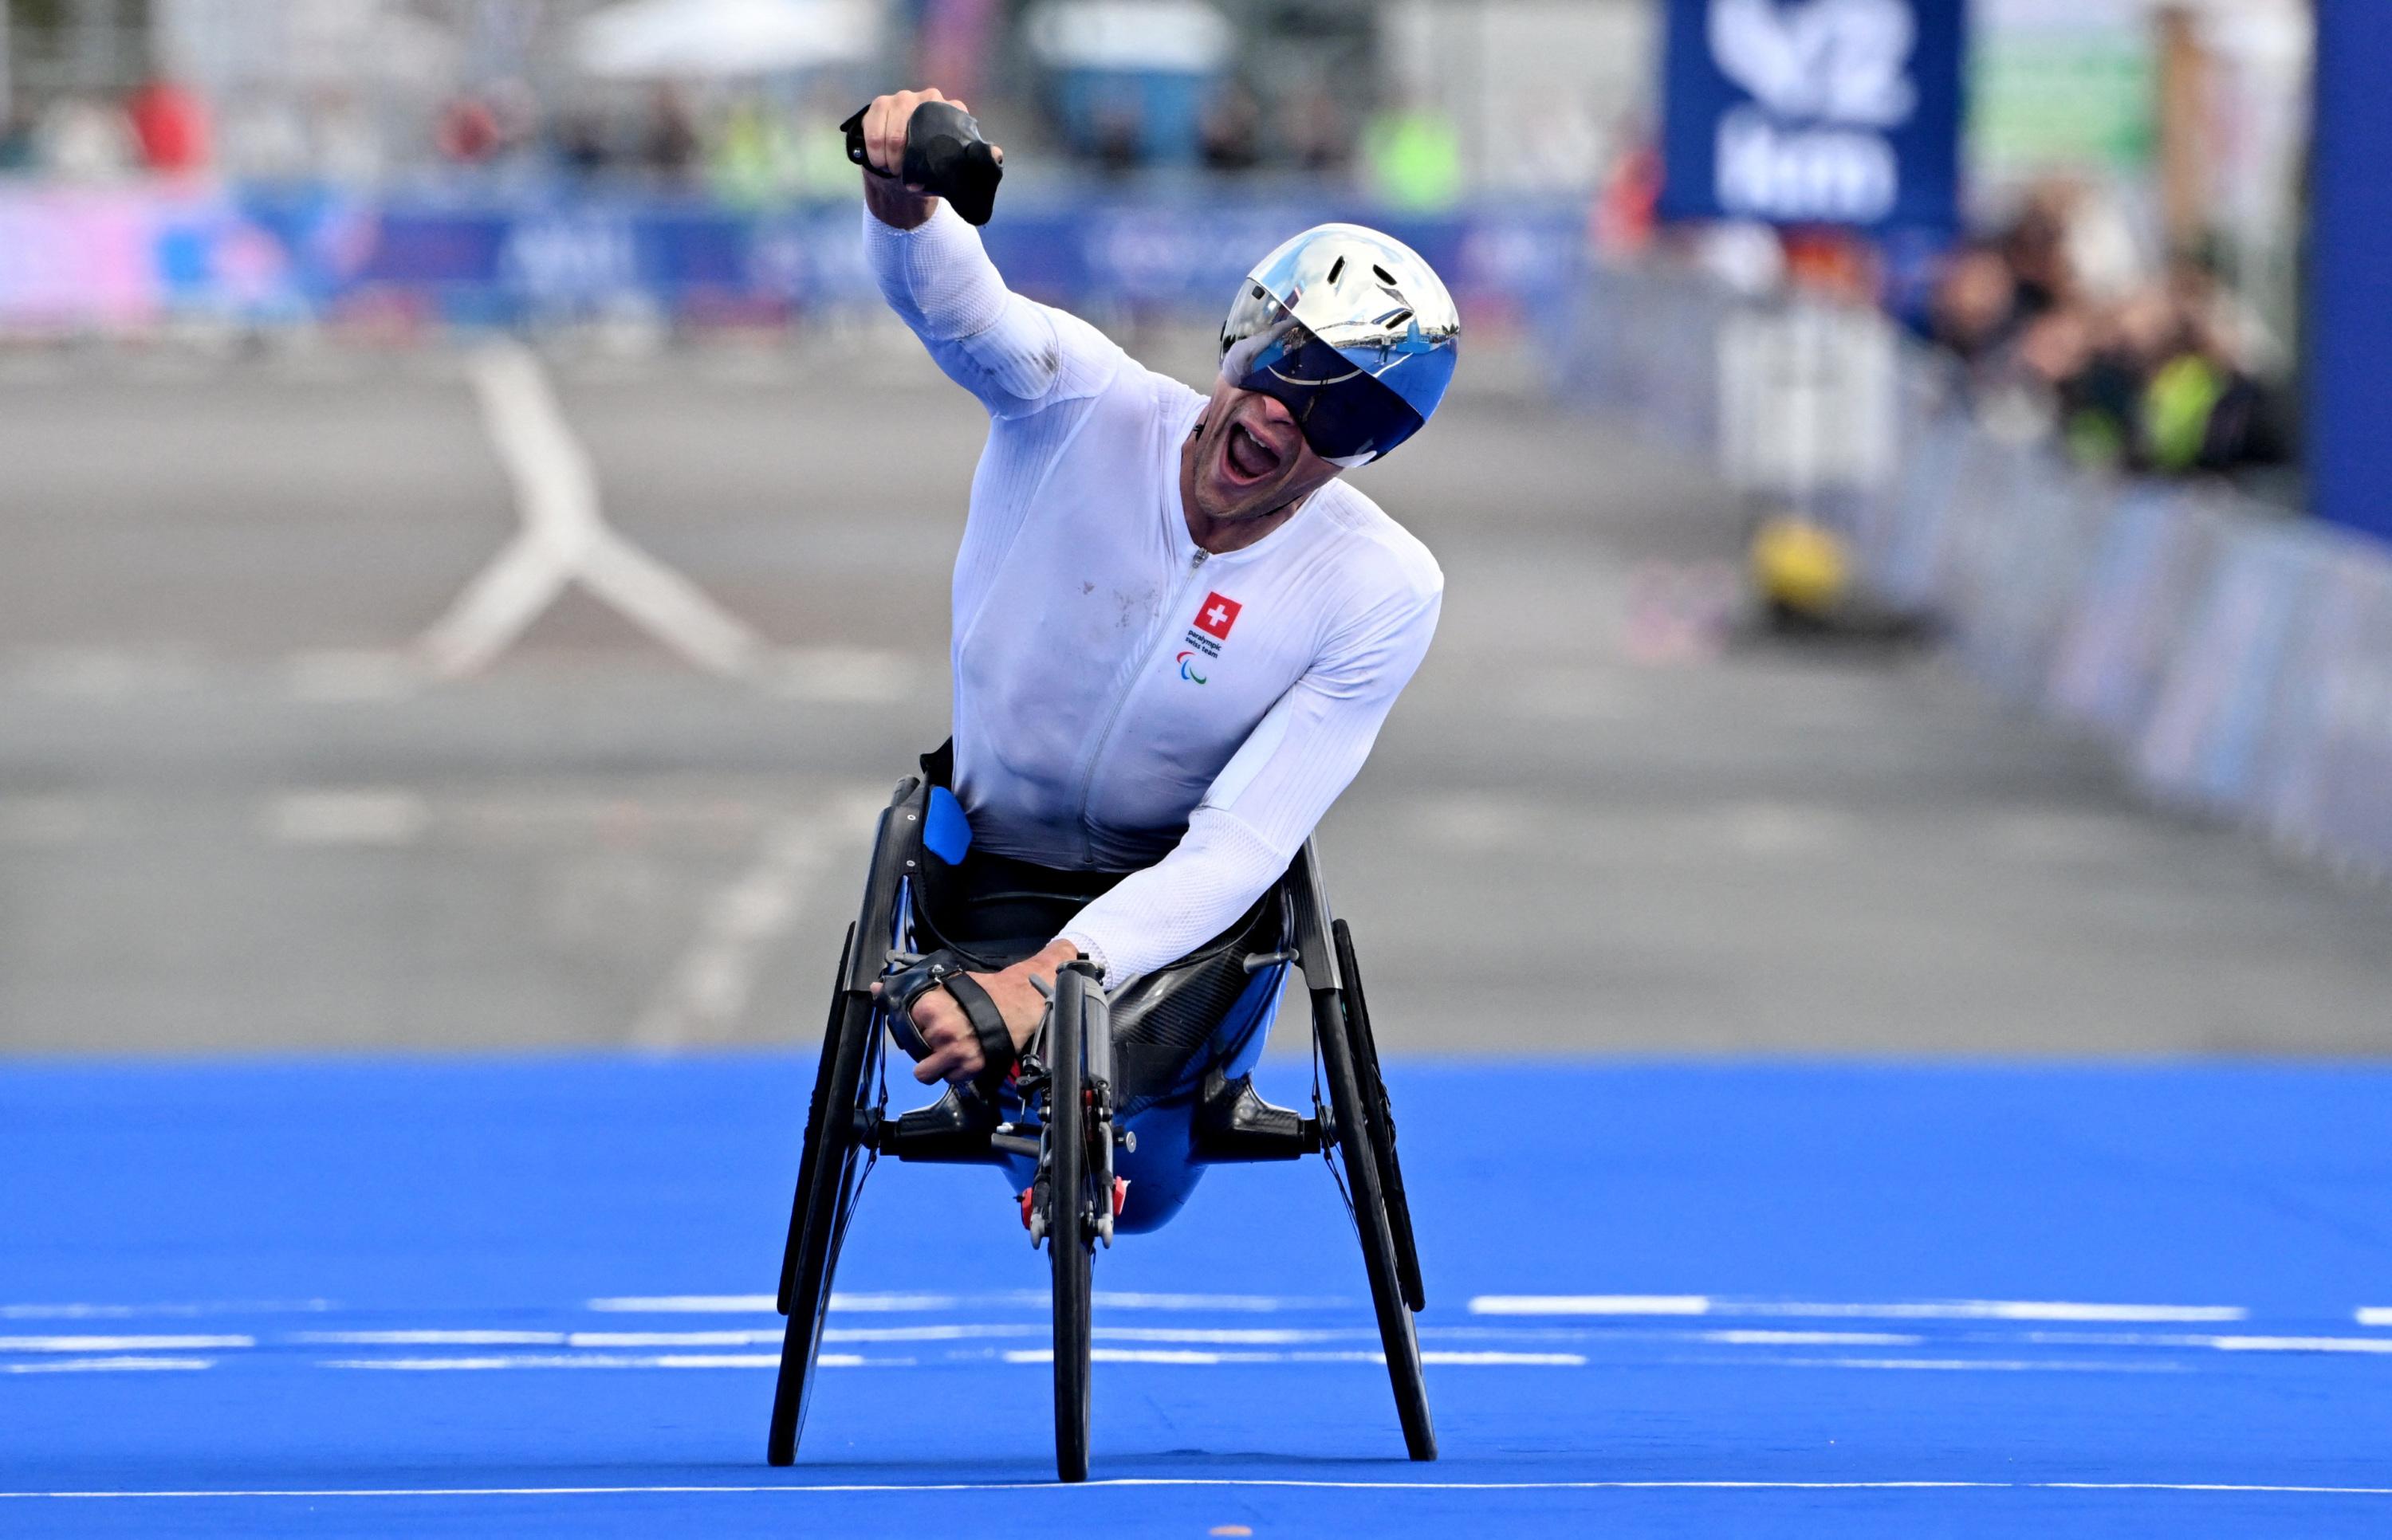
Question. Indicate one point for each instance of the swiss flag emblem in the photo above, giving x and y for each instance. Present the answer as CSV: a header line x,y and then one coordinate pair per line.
x,y
1217,615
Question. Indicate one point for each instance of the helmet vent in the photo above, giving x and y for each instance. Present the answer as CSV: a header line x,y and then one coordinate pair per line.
x,y
1385,277
1334,268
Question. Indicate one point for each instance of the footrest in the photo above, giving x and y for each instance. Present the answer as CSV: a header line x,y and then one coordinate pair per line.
x,y
957,1129
1234,1125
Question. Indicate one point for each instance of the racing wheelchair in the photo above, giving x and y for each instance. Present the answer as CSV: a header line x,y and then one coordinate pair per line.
x,y
1113,1110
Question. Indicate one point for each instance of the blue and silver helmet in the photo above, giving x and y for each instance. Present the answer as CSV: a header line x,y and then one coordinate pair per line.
x,y
1352,332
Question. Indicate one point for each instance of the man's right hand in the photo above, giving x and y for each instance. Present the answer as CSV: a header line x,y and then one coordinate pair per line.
x,y
898,205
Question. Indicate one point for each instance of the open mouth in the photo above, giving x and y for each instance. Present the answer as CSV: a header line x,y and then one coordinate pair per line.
x,y
1248,457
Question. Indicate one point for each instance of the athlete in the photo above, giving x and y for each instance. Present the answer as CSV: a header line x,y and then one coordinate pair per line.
x,y
1175,631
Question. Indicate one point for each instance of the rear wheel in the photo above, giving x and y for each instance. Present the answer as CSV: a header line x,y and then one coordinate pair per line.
x,y
1358,1154
1071,1223
830,1176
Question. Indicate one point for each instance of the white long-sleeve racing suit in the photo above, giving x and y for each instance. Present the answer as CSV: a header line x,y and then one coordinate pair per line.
x,y
1125,700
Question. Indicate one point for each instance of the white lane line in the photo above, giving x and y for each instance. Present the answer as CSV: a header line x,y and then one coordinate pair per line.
x,y
105,1366
1964,1366
1591,1304
1926,1309
2373,1316
794,1489
695,1304
707,991
2299,1344
607,1361
431,1338
121,1345
1206,1357
380,817
1808,1339
892,1301
930,1334
84,1310
566,539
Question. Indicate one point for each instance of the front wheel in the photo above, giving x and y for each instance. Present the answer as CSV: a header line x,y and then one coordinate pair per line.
x,y
1070,1222
830,1177
1358,1155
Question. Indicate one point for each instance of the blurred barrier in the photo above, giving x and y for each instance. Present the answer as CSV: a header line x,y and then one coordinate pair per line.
x,y
124,259
2239,663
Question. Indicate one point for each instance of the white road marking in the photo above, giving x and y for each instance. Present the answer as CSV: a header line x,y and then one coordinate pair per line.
x,y
120,1344
603,1360
1932,1310
1810,1339
693,1304
1254,1303
88,1310
1020,1299
431,1338
1591,1304
932,1334
794,1489
1203,1357
707,991
1995,1365
2373,1316
105,1366
379,816
564,539
2299,1344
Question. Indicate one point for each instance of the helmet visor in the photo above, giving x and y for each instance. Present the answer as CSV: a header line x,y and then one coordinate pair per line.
x,y
1343,410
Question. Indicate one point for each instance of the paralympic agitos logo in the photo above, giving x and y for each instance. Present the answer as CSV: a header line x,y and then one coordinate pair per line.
x,y
1214,618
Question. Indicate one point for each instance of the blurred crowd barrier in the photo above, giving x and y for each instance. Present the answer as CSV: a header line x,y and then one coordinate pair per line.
x,y
123,260
2238,659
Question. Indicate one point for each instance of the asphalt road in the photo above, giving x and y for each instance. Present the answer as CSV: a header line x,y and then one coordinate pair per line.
x,y
243,807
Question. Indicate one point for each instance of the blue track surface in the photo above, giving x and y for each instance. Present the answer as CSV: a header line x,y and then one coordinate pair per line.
x,y
1805,1238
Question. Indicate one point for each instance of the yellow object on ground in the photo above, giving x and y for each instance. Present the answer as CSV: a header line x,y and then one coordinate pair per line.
x,y
1801,565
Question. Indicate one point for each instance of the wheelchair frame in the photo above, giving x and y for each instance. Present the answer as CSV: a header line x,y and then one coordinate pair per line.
x,y
1067,1078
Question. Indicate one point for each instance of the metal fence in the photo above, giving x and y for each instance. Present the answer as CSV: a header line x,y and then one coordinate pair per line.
x,y
2238,661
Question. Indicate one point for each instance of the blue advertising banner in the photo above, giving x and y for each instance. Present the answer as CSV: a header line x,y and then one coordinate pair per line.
x,y
1814,111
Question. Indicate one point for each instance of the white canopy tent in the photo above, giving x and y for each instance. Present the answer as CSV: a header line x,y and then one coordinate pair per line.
x,y
718,39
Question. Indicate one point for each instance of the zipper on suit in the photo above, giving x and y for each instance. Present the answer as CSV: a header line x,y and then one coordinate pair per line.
x,y
1120,698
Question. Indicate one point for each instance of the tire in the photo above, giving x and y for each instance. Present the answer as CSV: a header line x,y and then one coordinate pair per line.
x,y
830,1176
1071,1240
1358,1155
1382,1118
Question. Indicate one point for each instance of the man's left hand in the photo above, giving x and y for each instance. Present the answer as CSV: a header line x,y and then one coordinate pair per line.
x,y
955,1047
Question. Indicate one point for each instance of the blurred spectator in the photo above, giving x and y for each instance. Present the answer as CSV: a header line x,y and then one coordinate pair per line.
x,y
1975,302
1233,128
580,143
170,122
1120,136
754,161
672,147
18,150
85,139
1317,135
467,131
1412,158
2153,376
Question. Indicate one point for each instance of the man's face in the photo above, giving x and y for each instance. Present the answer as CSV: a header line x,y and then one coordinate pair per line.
x,y
1250,459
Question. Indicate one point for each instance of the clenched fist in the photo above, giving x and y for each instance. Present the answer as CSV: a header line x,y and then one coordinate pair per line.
x,y
901,206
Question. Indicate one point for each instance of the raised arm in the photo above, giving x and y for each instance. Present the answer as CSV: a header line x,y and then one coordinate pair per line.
x,y
1016,355
1265,803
